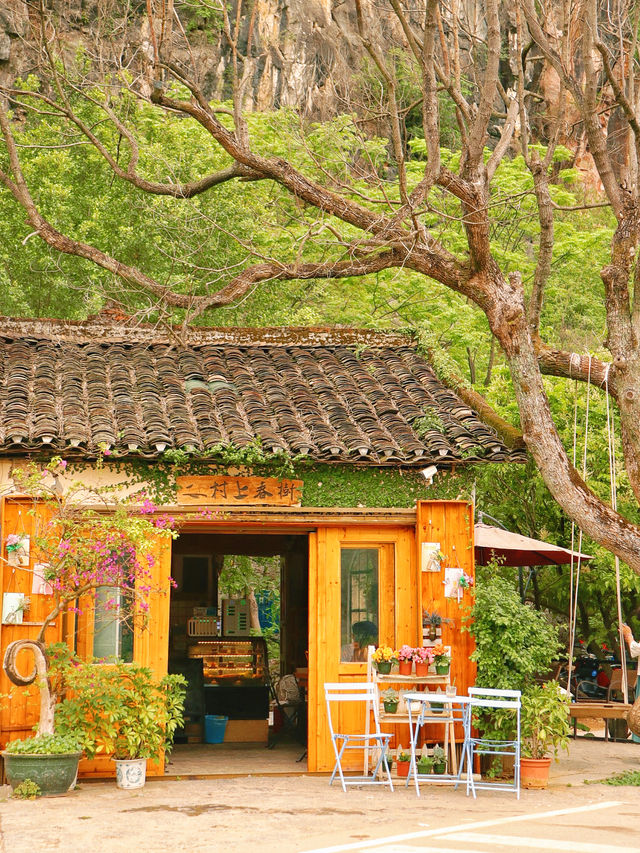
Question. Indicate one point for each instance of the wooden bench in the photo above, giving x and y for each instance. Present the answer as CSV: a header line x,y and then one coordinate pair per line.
x,y
606,710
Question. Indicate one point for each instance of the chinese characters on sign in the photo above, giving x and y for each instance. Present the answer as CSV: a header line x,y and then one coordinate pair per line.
x,y
239,491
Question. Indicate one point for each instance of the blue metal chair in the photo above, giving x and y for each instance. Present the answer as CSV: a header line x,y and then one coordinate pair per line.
x,y
484,698
376,742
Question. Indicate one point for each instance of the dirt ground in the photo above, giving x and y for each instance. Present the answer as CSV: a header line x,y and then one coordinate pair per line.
x,y
296,813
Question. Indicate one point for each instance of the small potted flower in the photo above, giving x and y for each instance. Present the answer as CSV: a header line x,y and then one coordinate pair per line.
x,y
432,621
423,658
404,762
442,659
424,765
383,659
390,701
439,760
405,659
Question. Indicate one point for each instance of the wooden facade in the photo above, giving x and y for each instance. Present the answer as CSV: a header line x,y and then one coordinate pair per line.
x,y
403,592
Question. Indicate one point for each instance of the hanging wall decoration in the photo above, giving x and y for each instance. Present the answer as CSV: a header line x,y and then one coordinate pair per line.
x,y
432,557
17,545
39,584
455,582
13,605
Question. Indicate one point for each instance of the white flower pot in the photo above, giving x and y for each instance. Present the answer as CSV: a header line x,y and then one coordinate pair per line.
x,y
131,773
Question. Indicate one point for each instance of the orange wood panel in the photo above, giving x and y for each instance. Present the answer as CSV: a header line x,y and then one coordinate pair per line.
x,y
451,524
20,713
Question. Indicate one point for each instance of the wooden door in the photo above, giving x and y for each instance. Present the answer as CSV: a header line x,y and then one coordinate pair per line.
x,y
333,553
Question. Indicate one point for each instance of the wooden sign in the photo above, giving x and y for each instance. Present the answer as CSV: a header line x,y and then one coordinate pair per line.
x,y
239,491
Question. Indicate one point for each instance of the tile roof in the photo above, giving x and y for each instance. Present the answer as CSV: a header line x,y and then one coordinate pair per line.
x,y
336,395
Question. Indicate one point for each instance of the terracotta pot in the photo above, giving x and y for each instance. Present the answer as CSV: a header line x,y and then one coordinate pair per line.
x,y
405,667
402,768
534,772
422,668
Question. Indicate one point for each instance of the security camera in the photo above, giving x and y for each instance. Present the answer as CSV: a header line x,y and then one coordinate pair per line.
x,y
429,473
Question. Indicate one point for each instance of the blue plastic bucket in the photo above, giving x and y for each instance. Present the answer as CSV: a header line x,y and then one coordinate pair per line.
x,y
214,728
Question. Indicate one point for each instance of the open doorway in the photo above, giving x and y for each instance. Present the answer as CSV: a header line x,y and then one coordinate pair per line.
x,y
239,620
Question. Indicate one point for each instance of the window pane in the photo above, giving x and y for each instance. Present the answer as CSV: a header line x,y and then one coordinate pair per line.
x,y
359,602
112,632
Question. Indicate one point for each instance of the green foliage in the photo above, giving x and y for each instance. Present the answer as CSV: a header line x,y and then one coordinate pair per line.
x,y
514,642
425,764
120,708
439,757
544,720
627,777
26,790
61,743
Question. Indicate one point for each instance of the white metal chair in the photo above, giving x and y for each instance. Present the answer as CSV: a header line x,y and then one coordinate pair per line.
x,y
377,742
487,698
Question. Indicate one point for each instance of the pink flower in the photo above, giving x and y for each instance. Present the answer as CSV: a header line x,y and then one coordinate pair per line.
x,y
405,652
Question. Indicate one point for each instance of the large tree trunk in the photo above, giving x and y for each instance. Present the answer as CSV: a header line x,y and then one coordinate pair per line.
x,y
509,324
39,672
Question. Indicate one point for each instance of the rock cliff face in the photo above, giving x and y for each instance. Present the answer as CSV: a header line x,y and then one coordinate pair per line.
x,y
297,53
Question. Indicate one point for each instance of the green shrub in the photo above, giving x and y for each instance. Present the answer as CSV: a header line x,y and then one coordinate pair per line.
x,y
26,790
58,744
514,642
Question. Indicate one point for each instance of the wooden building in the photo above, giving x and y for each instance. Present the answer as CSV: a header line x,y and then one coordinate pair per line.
x,y
357,404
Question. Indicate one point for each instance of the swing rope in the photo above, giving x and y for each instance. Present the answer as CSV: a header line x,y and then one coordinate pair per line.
x,y
574,587
614,506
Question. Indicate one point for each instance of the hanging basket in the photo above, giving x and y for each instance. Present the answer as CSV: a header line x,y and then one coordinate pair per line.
x,y
633,718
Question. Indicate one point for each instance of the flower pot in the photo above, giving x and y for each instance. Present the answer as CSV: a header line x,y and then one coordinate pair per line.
x,y
402,768
534,772
384,667
422,668
53,774
424,769
131,773
442,668
390,707
432,633
405,667
440,769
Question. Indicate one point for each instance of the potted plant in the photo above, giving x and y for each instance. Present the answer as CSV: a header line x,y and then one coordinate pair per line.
x,y
48,761
390,700
544,729
403,764
432,621
423,658
442,659
124,710
383,659
439,760
405,659
424,765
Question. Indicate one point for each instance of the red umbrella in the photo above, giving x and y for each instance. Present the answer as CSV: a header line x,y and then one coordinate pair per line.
x,y
512,549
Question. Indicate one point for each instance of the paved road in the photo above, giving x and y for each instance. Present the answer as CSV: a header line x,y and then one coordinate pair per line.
x,y
296,814
302,814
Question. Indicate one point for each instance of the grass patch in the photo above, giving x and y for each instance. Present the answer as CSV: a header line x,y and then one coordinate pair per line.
x,y
628,777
